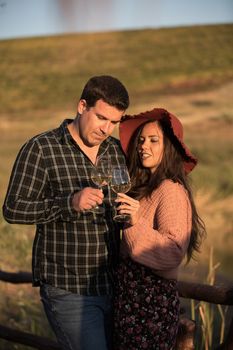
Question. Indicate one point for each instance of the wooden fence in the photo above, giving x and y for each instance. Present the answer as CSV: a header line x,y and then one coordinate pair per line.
x,y
185,341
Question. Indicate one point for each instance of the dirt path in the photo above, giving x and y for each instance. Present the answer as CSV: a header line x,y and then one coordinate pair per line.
x,y
192,108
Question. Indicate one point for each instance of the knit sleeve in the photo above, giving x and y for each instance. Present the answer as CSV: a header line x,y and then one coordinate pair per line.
x,y
162,242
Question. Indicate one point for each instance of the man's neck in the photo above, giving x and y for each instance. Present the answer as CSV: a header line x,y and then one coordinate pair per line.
x,y
90,151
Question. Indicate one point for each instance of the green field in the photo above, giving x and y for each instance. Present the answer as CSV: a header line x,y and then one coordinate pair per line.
x,y
185,70
48,73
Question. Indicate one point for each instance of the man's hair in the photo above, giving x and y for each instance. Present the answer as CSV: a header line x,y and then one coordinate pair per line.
x,y
108,89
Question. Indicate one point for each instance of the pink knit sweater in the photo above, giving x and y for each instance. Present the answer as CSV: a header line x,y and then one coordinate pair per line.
x,y
160,238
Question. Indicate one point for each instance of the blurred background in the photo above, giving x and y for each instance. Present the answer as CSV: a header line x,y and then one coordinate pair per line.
x,y
171,54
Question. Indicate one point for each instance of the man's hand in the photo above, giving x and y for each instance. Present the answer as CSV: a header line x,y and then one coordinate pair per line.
x,y
87,199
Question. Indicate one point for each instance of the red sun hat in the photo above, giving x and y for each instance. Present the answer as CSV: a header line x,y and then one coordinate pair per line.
x,y
131,123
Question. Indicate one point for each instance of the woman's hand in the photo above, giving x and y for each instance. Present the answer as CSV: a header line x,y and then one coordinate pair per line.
x,y
129,206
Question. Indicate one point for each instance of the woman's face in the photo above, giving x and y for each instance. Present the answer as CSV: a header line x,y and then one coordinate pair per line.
x,y
151,146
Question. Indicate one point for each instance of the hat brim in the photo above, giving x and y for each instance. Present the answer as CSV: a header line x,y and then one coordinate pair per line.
x,y
131,123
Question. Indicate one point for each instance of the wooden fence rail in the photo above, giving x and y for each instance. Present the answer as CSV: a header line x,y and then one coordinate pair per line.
x,y
202,292
28,339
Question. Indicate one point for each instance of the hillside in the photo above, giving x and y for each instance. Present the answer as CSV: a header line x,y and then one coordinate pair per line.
x,y
48,73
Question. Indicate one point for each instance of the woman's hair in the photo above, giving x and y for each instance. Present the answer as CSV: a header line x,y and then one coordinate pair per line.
x,y
171,167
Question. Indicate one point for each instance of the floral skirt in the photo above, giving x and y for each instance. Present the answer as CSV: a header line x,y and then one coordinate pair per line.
x,y
146,309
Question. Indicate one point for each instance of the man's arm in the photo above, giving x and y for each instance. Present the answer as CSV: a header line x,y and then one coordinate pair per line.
x,y
29,199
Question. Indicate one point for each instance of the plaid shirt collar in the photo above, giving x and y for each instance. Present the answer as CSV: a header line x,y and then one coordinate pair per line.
x,y
64,136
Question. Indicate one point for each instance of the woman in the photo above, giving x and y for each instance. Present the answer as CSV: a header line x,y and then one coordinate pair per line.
x,y
164,227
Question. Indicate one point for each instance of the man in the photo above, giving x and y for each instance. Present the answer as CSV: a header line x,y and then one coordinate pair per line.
x,y
75,250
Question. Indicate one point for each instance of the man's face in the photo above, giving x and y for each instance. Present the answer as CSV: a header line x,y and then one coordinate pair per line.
x,y
98,122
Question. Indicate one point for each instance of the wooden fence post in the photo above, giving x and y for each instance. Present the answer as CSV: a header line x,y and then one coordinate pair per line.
x,y
185,336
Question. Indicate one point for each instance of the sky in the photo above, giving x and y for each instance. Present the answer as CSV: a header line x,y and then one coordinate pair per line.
x,y
28,18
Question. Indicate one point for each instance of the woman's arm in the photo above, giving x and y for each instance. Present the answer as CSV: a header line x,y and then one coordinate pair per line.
x,y
162,244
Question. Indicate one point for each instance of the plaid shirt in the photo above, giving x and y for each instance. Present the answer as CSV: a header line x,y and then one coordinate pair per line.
x,y
72,251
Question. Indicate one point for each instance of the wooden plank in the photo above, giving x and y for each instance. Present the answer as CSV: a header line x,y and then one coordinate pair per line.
x,y
16,277
28,339
211,294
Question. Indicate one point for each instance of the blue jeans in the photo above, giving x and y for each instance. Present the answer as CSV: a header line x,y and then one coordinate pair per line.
x,y
79,322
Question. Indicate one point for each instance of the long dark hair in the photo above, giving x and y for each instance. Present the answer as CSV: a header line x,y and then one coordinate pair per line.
x,y
171,167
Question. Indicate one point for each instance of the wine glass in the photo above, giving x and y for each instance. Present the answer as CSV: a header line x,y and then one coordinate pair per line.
x,y
101,176
120,183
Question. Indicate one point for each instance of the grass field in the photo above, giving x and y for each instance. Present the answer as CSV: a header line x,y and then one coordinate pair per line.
x,y
48,73
185,70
